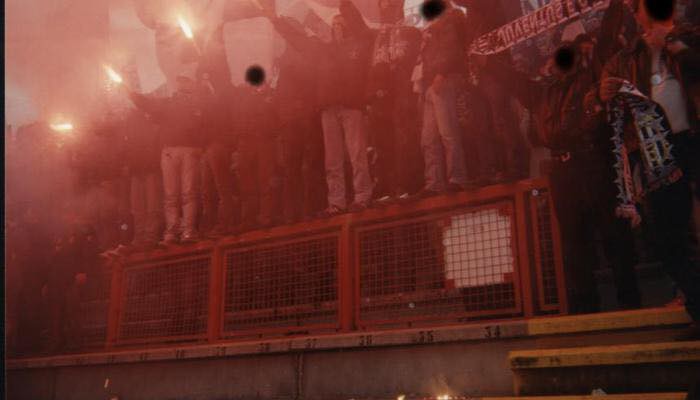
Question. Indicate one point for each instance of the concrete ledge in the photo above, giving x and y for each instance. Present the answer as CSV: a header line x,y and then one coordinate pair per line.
x,y
486,331
633,319
606,355
639,396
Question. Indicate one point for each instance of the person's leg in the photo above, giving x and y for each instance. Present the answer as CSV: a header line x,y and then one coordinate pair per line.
x,y
190,191
671,207
247,173
153,204
334,157
209,196
312,168
407,160
505,126
616,233
266,164
292,158
577,238
138,208
450,132
219,159
382,131
433,153
170,162
356,142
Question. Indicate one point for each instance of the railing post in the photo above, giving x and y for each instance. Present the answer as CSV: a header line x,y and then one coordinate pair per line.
x,y
216,295
345,276
562,292
523,254
115,303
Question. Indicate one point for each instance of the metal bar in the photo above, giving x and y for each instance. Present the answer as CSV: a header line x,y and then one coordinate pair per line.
x,y
115,302
559,261
216,297
537,250
524,257
346,268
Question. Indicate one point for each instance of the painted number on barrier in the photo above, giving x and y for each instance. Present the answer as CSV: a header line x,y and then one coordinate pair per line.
x,y
221,351
143,356
493,332
425,337
365,340
179,354
264,348
310,344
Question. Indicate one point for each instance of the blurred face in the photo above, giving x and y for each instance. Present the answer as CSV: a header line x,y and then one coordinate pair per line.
x,y
390,11
586,51
185,85
338,29
647,22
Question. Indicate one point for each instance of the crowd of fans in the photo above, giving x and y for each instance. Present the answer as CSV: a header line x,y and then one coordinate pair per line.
x,y
384,115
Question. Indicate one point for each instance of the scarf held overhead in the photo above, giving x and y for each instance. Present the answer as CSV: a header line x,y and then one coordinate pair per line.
x,y
528,26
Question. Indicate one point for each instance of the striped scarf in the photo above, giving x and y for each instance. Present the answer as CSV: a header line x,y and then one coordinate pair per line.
x,y
655,162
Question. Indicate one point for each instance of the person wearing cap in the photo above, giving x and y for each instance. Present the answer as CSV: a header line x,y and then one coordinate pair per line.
x,y
665,67
183,119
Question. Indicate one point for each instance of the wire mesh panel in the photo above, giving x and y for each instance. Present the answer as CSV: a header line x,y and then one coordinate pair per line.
x,y
93,312
282,286
165,301
456,265
544,249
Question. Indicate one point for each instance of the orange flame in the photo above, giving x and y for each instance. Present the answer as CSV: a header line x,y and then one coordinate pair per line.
x,y
186,29
113,75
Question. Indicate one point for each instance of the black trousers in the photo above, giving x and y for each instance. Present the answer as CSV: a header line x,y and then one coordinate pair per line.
x,y
671,209
394,131
584,201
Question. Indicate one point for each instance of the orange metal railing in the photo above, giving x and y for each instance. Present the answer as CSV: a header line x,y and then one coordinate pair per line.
x,y
493,253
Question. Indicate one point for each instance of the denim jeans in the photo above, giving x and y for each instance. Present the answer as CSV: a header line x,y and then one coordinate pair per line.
x,y
441,136
180,166
344,128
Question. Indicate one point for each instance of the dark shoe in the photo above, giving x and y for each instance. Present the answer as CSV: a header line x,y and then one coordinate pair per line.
x,y
357,207
331,211
190,237
425,193
455,188
170,239
217,232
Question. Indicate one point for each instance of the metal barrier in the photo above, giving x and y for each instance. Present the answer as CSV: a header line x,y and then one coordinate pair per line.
x,y
445,266
547,251
490,253
166,300
287,284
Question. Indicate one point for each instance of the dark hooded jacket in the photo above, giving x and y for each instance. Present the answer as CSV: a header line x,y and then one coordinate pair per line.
x,y
342,67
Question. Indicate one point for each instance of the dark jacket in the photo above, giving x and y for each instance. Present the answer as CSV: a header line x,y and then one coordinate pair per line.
x,y
253,113
394,55
634,65
142,143
99,156
558,103
444,49
185,119
342,67
295,94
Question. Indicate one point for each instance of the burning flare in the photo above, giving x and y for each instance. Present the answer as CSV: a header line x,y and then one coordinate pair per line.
x,y
185,27
62,127
113,75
